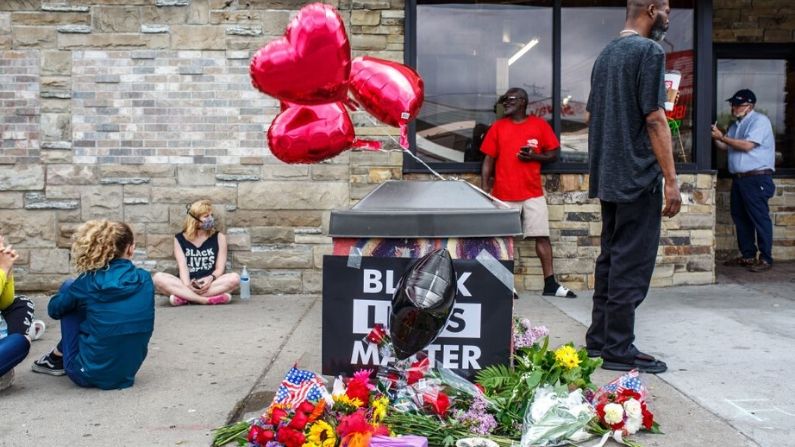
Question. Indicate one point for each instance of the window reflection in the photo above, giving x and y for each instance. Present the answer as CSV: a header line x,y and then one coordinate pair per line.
x,y
469,54
769,79
587,27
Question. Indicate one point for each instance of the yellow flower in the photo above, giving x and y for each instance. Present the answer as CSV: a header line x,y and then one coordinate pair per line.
x,y
567,357
344,400
310,444
322,434
379,409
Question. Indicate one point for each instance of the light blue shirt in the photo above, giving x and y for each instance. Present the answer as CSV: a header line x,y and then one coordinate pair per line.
x,y
753,127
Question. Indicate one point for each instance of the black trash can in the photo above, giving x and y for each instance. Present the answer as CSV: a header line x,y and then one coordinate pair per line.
x,y
378,239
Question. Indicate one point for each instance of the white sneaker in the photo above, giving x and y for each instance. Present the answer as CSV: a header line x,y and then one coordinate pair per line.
x,y
36,330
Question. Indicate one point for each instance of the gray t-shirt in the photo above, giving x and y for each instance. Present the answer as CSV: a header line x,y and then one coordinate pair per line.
x,y
627,83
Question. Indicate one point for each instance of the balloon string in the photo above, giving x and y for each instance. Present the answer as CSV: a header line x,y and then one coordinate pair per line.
x,y
430,169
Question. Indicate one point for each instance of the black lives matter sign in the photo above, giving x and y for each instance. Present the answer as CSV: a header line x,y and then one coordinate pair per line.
x,y
478,332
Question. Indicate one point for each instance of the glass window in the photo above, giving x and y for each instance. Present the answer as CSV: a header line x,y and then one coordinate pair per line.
x,y
772,81
587,26
470,53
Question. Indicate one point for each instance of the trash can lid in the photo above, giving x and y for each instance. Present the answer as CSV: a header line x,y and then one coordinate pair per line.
x,y
421,209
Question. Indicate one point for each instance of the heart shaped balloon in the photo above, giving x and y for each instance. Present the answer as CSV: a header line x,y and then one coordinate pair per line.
x,y
424,298
310,64
390,91
308,134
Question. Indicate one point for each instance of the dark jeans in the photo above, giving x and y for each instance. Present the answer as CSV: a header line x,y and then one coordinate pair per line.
x,y
69,344
630,237
13,349
751,215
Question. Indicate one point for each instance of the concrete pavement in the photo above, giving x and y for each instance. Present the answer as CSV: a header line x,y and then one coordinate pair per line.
x,y
727,346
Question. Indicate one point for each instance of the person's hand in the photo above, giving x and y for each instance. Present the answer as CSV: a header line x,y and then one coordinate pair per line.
x,y
7,258
204,284
716,133
526,154
673,199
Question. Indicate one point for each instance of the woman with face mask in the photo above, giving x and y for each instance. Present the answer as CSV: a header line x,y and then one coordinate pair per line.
x,y
200,251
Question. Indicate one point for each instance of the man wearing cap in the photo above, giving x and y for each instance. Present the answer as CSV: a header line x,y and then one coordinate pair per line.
x,y
751,146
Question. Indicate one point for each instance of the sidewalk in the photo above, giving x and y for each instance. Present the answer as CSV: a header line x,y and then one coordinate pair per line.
x,y
724,344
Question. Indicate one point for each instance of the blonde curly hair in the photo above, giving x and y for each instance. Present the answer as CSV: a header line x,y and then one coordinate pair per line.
x,y
97,242
190,226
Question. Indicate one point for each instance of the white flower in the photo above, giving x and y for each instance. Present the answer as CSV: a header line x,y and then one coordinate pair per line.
x,y
614,413
525,323
632,407
632,425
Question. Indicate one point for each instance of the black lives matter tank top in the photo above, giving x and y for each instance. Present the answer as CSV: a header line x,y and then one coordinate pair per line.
x,y
201,260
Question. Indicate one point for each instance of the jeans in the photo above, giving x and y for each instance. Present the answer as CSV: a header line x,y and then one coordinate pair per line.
x,y
630,237
70,341
751,215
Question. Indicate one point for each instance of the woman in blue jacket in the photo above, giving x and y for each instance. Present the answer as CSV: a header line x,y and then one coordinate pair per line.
x,y
107,314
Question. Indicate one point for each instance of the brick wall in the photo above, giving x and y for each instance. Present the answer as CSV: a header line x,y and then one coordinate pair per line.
x,y
130,109
753,21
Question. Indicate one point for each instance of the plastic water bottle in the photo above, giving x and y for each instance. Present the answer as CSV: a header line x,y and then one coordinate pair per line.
x,y
3,328
245,285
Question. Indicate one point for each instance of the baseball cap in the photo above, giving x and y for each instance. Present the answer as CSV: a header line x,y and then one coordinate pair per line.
x,y
743,96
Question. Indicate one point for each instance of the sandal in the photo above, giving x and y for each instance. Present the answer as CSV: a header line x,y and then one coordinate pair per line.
x,y
642,362
739,261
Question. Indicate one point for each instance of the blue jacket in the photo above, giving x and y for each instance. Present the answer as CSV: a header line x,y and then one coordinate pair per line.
x,y
117,303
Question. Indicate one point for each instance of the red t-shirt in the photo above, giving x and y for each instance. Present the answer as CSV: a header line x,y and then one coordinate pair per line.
x,y
516,180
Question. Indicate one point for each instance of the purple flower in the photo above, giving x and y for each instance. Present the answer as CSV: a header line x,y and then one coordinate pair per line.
x,y
476,418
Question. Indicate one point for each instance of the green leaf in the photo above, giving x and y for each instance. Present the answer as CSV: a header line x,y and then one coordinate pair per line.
x,y
534,379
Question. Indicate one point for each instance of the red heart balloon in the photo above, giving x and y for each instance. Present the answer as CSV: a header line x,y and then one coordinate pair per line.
x,y
310,64
390,91
308,134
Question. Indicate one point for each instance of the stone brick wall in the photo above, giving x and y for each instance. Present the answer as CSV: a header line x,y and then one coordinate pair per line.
x,y
753,21
130,109
782,213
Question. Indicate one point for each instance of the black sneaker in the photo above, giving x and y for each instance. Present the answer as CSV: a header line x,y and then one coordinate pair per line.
x,y
49,364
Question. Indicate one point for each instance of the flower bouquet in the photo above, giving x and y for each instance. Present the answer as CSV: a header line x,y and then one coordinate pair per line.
x,y
621,410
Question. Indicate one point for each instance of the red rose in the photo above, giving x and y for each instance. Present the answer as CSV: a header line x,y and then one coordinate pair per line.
x,y
357,389
277,414
306,407
377,335
290,437
298,421
648,417
260,435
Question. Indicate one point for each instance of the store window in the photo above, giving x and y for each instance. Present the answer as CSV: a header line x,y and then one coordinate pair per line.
x,y
587,26
773,82
470,52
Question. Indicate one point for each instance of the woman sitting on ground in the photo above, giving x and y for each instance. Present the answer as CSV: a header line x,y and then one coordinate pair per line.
x,y
18,315
107,314
200,251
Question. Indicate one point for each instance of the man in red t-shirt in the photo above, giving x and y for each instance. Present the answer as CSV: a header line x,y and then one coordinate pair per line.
x,y
515,147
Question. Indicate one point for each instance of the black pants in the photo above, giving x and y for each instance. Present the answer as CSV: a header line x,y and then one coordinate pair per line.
x,y
630,237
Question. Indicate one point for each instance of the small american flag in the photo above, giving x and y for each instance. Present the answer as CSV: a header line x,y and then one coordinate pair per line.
x,y
628,381
300,385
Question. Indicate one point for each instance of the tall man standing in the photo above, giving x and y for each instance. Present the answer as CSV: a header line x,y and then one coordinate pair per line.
x,y
516,145
630,151
752,157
